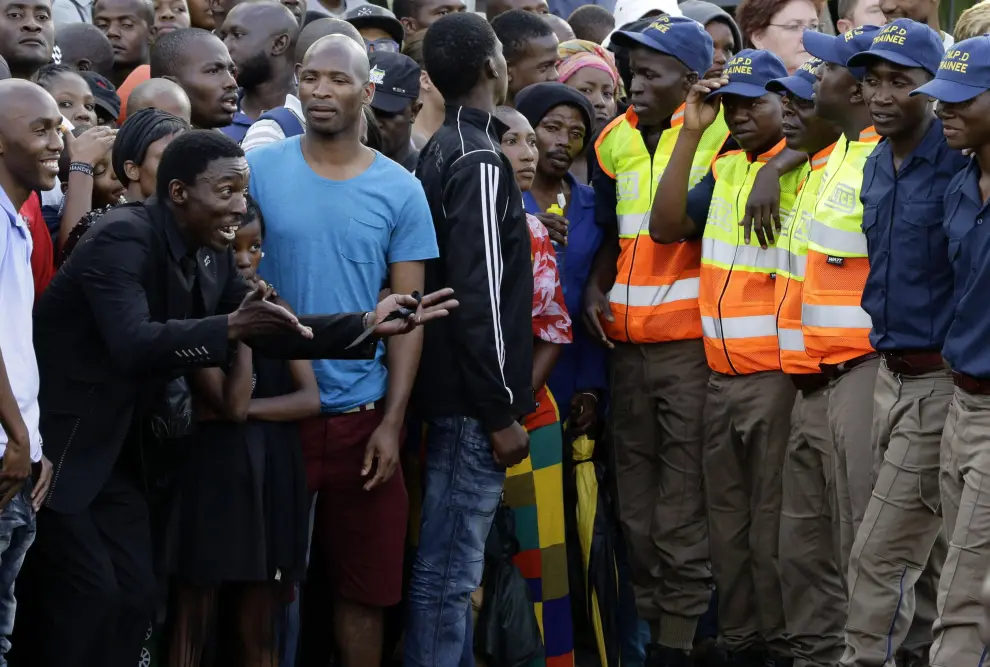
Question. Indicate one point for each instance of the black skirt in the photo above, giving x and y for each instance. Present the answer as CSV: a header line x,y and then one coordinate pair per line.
x,y
240,513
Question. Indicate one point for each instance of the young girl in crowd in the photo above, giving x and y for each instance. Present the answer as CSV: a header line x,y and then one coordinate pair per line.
x,y
239,526
126,172
71,92
534,488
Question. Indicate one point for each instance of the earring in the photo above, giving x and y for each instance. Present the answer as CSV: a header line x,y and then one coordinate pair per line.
x,y
262,253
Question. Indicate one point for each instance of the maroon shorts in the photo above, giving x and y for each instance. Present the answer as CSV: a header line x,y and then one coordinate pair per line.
x,y
361,533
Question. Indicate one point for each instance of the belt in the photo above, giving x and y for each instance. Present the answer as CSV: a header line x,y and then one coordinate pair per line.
x,y
832,371
913,363
367,407
970,384
809,382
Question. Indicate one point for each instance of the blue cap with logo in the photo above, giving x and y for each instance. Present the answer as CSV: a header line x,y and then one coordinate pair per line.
x,y
906,43
800,84
838,49
676,36
748,73
963,73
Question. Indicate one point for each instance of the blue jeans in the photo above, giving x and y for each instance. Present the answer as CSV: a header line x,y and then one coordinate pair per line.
x,y
462,490
17,528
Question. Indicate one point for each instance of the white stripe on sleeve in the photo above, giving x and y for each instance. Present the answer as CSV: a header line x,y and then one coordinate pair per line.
x,y
493,260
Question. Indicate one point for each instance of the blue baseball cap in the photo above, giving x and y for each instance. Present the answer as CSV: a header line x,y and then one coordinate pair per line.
x,y
800,84
963,73
749,72
903,42
676,36
838,49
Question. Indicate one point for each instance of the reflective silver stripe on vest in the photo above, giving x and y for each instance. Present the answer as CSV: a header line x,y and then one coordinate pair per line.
x,y
742,256
753,326
835,317
631,224
848,244
795,265
654,295
790,340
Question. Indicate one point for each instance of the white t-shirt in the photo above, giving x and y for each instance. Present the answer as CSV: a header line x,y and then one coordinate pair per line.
x,y
266,131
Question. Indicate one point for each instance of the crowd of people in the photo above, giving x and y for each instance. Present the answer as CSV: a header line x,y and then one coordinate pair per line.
x,y
310,309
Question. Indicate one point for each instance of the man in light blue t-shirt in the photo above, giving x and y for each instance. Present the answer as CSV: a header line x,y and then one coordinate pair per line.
x,y
343,222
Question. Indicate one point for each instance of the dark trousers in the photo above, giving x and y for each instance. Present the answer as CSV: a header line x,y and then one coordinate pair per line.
x,y
91,583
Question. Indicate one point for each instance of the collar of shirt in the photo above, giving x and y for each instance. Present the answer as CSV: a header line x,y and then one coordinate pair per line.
x,y
928,150
8,207
293,104
581,198
968,184
160,215
482,120
820,159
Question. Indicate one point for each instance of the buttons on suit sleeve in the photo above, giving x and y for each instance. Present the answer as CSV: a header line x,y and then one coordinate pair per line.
x,y
193,354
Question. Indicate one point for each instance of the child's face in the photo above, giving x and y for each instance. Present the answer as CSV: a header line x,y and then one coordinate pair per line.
x,y
107,189
169,15
74,98
247,248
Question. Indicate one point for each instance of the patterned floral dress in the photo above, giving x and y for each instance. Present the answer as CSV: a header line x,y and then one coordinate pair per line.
x,y
534,488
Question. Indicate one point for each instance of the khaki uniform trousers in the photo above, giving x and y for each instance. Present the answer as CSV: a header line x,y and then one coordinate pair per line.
x,y
850,419
898,553
747,426
658,396
965,486
813,588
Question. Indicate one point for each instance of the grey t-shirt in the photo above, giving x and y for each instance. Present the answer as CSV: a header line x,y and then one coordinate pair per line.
x,y
72,11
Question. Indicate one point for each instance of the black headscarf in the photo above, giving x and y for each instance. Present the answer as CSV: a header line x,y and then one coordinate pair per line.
x,y
139,131
534,102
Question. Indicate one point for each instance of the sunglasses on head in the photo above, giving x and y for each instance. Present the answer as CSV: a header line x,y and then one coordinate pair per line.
x,y
382,44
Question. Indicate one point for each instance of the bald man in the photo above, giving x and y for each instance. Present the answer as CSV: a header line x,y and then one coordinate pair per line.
x,y
160,94
30,144
200,63
288,120
560,27
381,233
321,28
260,36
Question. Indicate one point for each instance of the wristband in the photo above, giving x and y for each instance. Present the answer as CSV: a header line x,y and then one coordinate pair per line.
x,y
82,168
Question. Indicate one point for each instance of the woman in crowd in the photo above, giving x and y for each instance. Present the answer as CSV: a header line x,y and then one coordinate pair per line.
x,y
778,25
590,69
563,120
726,37
136,150
71,92
533,489
239,526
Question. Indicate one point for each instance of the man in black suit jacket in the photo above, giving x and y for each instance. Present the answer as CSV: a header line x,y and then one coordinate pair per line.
x,y
151,291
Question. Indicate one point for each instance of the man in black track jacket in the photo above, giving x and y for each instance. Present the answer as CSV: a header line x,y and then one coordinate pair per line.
x,y
475,378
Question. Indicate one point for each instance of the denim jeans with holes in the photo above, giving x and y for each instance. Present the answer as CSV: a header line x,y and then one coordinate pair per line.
x,y
463,485
17,528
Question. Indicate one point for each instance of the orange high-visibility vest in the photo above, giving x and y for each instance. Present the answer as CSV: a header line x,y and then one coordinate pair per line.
x,y
792,258
655,295
836,328
738,311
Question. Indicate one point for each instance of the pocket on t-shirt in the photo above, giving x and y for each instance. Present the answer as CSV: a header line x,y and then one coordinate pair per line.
x,y
363,241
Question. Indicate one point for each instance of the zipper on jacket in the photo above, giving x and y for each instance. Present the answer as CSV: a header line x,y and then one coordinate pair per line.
x,y
725,286
790,274
632,261
61,459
